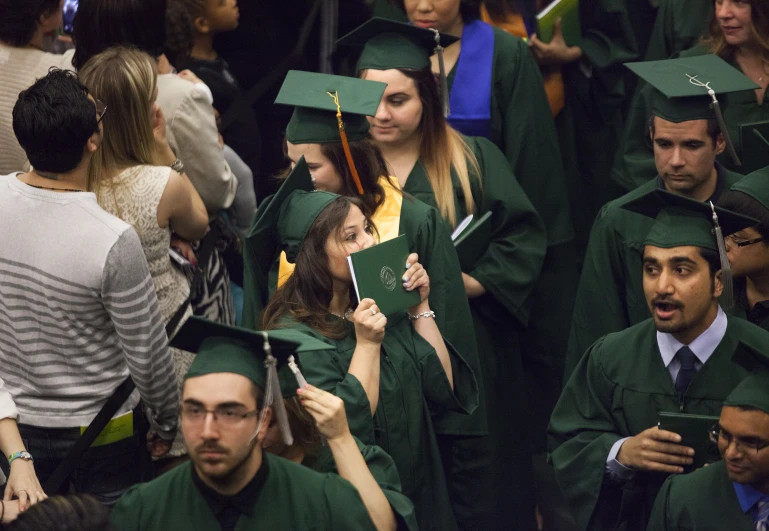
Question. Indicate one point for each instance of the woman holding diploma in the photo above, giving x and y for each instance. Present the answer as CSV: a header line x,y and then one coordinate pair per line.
x,y
461,176
391,380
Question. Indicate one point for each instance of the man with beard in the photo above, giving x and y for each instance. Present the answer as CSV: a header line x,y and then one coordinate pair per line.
x,y
609,456
686,138
229,482
733,493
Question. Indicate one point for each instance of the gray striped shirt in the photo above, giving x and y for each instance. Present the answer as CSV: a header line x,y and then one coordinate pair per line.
x,y
78,311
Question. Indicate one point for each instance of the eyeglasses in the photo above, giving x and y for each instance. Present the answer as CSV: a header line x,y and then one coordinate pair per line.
x,y
101,109
743,243
752,445
225,416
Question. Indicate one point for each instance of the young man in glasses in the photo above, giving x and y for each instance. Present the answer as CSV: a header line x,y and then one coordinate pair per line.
x,y
734,493
749,248
609,456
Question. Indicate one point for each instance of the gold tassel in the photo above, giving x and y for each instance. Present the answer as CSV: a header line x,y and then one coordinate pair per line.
x,y
345,144
443,84
727,297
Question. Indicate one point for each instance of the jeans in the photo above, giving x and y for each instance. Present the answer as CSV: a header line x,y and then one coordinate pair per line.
x,y
105,472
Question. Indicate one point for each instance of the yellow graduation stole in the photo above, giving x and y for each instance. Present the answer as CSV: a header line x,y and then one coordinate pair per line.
x,y
386,219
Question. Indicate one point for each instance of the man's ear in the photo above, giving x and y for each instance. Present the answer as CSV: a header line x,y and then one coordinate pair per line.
x,y
94,142
718,283
202,26
720,144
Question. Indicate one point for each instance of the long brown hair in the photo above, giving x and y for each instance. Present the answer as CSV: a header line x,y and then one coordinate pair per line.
x,y
759,14
125,79
442,148
370,164
307,293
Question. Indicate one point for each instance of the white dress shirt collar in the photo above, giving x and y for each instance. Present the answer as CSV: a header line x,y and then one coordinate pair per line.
x,y
703,346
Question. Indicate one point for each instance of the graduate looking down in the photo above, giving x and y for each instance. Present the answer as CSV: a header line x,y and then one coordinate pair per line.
x,y
733,493
687,140
231,392
748,249
609,456
392,372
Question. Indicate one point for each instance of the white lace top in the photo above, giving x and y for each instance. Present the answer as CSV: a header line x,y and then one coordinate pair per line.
x,y
133,196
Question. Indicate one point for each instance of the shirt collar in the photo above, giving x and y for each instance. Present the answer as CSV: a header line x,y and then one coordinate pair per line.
x,y
748,496
243,501
703,346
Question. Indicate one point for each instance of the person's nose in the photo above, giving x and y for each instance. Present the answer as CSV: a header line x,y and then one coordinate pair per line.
x,y
724,10
209,429
677,159
424,6
665,285
368,241
382,112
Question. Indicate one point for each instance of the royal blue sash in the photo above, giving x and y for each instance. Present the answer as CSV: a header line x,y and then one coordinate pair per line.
x,y
470,99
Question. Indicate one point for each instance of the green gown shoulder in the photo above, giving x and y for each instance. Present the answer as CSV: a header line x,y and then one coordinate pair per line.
x,y
679,25
382,467
616,391
704,500
293,497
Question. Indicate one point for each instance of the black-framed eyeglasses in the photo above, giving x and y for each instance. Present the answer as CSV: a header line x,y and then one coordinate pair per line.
x,y
743,243
101,109
225,416
753,445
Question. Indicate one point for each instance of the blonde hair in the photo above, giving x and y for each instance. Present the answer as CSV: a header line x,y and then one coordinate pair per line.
x,y
716,43
125,80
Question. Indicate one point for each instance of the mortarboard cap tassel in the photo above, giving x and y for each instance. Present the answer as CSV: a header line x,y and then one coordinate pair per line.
x,y
273,396
727,299
443,84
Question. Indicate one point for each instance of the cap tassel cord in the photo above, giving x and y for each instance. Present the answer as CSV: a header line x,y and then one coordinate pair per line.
x,y
726,270
443,84
297,373
719,118
272,395
345,143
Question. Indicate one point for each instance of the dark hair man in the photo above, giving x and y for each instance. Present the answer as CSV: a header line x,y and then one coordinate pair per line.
x,y
609,456
686,142
78,312
733,493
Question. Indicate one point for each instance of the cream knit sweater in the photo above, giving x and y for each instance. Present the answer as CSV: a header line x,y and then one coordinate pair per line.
x,y
19,68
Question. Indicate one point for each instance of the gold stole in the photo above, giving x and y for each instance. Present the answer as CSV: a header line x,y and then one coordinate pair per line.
x,y
386,219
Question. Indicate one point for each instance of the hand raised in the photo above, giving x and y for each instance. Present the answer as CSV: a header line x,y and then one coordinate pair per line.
x,y
327,410
655,450
369,323
416,277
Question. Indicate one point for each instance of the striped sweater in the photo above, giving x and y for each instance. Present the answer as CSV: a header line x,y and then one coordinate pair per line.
x,y
78,311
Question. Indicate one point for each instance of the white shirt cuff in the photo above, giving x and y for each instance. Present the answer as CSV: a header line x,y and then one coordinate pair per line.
x,y
614,468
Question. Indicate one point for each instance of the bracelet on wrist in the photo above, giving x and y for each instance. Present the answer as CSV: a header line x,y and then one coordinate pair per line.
x,y
23,455
422,315
177,166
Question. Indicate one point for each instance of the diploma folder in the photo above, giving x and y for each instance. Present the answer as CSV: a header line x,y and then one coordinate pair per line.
x,y
754,140
695,433
568,10
377,273
472,243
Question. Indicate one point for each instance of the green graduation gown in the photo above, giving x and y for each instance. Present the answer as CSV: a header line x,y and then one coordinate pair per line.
x,y
382,467
616,391
638,158
610,296
293,497
412,386
508,271
704,500
678,27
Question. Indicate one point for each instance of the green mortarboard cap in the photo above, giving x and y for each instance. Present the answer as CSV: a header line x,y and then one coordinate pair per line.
x,y
297,215
256,355
756,185
753,391
686,89
262,244
389,44
315,115
680,221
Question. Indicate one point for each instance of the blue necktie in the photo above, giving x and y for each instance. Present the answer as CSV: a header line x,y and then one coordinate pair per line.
x,y
687,371
762,518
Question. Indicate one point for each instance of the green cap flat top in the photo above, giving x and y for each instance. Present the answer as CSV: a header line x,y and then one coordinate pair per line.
x,y
314,120
676,86
389,44
756,185
297,214
221,348
753,391
680,221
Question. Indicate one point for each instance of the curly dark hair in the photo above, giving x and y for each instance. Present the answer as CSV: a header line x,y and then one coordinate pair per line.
x,y
63,513
180,29
20,19
53,119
